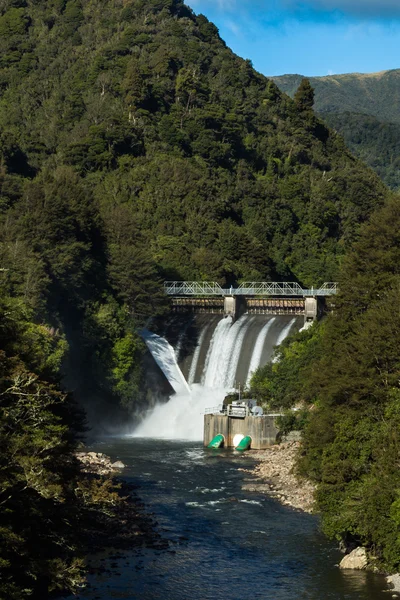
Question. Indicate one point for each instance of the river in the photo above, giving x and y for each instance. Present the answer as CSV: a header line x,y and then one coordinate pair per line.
x,y
224,543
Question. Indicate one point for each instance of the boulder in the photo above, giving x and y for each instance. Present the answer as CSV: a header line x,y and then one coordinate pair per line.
x,y
394,582
118,465
356,560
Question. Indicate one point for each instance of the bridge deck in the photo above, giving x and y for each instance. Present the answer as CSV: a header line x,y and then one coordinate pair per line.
x,y
253,288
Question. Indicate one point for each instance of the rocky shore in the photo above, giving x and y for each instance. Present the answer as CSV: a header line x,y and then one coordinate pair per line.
x,y
98,463
274,475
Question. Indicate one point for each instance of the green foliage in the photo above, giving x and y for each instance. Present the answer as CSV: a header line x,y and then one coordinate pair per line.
x,y
304,96
136,147
282,383
374,141
351,442
156,114
362,108
126,354
292,421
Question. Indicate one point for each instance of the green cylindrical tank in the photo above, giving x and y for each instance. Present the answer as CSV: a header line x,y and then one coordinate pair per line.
x,y
244,444
217,442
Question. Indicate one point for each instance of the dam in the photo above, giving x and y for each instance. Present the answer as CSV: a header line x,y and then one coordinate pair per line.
x,y
213,341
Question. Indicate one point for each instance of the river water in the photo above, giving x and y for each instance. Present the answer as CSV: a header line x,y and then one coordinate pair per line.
x,y
224,543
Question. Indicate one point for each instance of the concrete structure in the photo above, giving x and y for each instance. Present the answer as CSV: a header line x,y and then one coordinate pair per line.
x,y
310,309
230,306
261,429
251,297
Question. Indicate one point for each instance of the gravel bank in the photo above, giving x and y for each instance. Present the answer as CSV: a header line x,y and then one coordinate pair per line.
x,y
273,475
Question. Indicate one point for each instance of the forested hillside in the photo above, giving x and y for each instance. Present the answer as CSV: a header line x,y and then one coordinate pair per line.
x,y
364,109
135,147
344,374
374,94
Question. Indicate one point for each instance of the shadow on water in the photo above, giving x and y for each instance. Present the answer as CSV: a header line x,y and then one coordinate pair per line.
x,y
224,542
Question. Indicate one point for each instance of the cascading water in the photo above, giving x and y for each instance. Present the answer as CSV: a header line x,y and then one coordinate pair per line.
x,y
258,348
228,356
164,356
283,335
196,355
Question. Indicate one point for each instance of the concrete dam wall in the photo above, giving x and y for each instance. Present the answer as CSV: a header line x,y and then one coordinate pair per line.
x,y
218,352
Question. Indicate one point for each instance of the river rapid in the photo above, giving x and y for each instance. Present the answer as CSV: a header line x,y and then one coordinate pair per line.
x,y
225,543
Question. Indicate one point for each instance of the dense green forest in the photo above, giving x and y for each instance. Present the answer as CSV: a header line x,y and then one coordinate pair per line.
x,y
137,145
134,147
363,108
50,510
344,375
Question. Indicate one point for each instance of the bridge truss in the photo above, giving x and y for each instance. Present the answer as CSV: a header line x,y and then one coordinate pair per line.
x,y
250,288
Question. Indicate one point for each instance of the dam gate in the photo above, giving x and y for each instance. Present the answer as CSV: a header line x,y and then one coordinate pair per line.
x,y
267,298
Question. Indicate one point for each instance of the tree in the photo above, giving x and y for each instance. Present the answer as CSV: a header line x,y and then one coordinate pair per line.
x,y
304,97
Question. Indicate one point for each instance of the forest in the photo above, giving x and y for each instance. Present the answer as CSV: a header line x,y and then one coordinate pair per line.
x,y
363,109
136,147
343,376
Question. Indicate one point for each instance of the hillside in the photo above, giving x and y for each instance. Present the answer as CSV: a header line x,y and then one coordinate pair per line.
x,y
135,147
364,108
142,149
374,94
343,372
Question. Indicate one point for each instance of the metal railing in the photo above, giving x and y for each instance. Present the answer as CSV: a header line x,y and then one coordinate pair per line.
x,y
250,288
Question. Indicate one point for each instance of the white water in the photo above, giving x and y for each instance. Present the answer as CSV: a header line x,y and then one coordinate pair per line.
x,y
216,352
164,356
196,354
258,348
283,334
182,416
234,353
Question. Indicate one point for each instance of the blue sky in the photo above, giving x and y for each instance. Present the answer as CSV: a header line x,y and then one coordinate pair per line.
x,y
310,37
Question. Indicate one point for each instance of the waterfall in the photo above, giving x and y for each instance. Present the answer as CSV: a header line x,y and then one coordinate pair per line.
x,y
215,352
230,374
165,357
233,348
258,348
223,355
283,335
181,418
196,355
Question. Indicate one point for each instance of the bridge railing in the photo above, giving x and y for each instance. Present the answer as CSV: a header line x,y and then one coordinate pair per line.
x,y
249,288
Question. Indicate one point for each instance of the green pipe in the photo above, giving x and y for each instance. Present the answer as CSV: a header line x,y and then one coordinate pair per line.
x,y
244,444
217,442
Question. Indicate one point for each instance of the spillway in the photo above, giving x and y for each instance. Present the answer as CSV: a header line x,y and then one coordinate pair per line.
x,y
214,354
226,353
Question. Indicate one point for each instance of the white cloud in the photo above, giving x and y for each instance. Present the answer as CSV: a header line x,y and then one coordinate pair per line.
x,y
229,24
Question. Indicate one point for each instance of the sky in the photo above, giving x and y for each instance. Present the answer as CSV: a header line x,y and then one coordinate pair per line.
x,y
309,37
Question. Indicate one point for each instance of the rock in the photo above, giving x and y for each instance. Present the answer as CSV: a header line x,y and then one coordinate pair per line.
x,y
394,582
356,560
118,465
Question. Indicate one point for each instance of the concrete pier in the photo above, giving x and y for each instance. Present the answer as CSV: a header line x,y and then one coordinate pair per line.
x,y
261,429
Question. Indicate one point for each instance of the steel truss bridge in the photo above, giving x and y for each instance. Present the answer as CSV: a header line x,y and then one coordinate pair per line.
x,y
249,288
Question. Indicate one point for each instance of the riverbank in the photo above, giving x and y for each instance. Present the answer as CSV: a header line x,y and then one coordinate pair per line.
x,y
273,475
117,519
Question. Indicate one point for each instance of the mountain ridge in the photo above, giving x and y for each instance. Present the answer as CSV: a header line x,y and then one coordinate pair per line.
x,y
365,109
